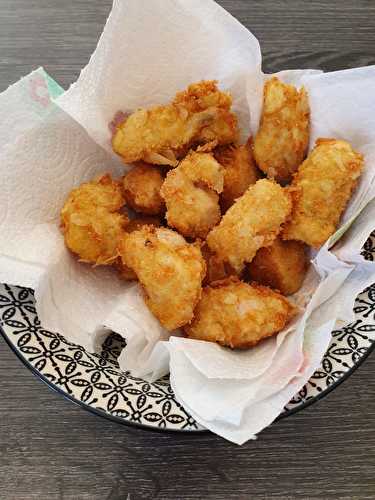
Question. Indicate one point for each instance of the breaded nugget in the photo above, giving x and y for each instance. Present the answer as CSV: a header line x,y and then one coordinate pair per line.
x,y
133,225
281,143
282,266
253,222
170,270
191,195
217,269
203,96
240,171
125,272
90,222
162,134
239,315
321,190
142,220
142,189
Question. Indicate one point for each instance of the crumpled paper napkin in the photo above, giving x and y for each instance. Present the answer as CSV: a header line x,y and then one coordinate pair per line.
x,y
56,146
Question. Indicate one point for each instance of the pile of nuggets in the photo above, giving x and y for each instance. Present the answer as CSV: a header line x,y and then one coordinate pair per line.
x,y
222,229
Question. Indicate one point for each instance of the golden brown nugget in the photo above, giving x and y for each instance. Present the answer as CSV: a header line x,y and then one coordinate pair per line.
x,y
321,190
216,268
239,315
133,225
240,171
282,266
90,220
281,143
142,186
170,270
142,220
190,192
253,222
163,134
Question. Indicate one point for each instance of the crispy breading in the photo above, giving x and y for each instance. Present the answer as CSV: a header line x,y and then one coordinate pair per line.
x,y
321,190
217,269
239,315
125,272
282,266
142,189
240,171
253,222
90,220
170,270
191,194
142,220
203,95
163,134
134,224
281,143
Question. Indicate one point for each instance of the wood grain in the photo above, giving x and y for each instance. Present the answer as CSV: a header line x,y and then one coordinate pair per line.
x,y
50,449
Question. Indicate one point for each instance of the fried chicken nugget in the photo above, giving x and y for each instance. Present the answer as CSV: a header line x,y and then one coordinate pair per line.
x,y
134,224
239,315
162,134
217,269
90,220
142,220
191,195
240,171
281,143
142,189
321,190
253,222
170,270
282,266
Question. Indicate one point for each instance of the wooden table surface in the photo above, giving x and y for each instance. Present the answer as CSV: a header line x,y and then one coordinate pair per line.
x,y
51,449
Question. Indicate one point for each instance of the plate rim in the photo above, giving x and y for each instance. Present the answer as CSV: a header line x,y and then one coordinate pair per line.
x,y
129,423
55,388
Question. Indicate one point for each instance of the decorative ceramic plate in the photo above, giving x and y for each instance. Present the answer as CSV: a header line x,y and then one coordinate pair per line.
x,y
96,382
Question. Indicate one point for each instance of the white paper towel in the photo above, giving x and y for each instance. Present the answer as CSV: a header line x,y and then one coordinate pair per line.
x,y
39,167
186,41
234,394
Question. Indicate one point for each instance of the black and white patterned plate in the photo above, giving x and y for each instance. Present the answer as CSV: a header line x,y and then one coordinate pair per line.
x,y
96,382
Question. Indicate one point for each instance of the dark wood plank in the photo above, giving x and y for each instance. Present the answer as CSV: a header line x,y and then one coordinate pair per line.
x,y
50,449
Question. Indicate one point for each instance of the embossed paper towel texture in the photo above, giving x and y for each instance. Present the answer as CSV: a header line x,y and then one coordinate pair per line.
x,y
233,394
